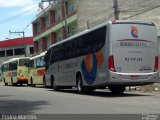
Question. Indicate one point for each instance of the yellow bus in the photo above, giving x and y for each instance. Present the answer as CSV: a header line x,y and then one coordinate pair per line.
x,y
36,70
15,71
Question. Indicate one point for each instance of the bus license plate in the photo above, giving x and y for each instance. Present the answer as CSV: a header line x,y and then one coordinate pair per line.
x,y
135,77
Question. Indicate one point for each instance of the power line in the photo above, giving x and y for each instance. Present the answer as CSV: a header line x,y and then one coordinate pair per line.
x,y
123,3
9,19
31,21
101,20
139,5
110,8
154,7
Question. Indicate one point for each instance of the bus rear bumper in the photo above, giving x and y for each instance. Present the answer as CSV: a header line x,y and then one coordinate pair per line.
x,y
134,78
22,78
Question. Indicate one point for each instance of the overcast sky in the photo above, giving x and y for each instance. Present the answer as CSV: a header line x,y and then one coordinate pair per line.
x,y
17,15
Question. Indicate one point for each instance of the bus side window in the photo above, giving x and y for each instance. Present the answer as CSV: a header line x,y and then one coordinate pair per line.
x,y
13,65
27,62
43,61
46,61
2,68
35,61
31,64
6,67
38,63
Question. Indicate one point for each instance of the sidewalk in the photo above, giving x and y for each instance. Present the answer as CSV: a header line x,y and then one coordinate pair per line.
x,y
147,88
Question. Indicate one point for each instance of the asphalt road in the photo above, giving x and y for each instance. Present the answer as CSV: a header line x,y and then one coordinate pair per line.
x,y
39,100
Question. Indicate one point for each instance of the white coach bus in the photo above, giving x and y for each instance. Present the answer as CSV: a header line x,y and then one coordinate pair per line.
x,y
115,54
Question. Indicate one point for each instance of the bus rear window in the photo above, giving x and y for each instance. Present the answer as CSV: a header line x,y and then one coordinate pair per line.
x,y
23,62
13,65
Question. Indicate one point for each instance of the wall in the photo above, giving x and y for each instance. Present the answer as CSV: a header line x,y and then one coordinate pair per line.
x,y
147,10
97,11
93,12
3,59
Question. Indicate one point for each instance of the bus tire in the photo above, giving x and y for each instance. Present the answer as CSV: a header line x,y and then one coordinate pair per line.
x,y
44,82
116,89
79,84
15,84
28,84
53,84
5,83
33,85
89,89
12,81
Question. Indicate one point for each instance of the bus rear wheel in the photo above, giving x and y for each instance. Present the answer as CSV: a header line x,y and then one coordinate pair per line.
x,y
44,82
53,84
11,81
79,84
33,85
117,89
5,83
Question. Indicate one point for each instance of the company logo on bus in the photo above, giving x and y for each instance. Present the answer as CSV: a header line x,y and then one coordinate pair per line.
x,y
134,32
89,66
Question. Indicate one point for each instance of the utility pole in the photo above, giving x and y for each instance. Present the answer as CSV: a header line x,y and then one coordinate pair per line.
x,y
21,32
116,10
65,19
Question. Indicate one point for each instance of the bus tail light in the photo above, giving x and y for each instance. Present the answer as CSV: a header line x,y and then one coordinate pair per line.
x,y
111,65
156,64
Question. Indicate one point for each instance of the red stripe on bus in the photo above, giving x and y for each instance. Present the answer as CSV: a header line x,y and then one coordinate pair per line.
x,y
41,72
22,78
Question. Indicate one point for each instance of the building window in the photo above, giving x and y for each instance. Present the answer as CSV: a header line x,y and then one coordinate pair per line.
x,y
19,51
43,23
57,15
9,52
2,53
39,46
47,21
59,35
31,50
38,27
35,47
34,28
72,6
72,29
43,44
48,41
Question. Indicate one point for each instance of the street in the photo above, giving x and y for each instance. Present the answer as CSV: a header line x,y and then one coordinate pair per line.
x,y
39,100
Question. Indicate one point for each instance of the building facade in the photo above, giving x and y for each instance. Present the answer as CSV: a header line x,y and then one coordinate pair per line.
x,y
78,15
18,47
53,24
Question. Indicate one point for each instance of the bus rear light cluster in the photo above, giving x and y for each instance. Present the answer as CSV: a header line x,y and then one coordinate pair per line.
x,y
111,65
156,64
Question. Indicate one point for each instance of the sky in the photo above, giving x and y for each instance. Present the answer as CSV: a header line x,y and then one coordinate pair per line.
x,y
17,15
